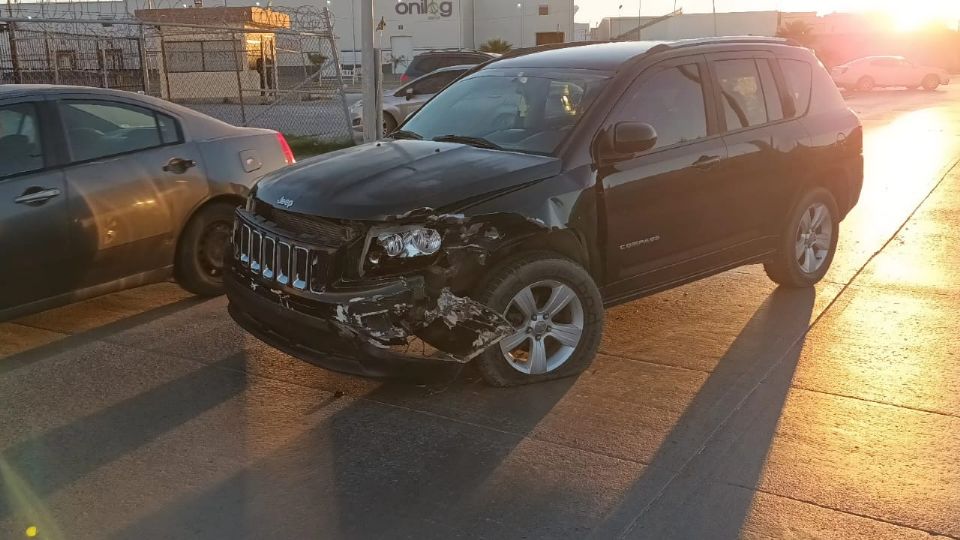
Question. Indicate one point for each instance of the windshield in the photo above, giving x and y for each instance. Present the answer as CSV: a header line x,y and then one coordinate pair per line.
x,y
510,109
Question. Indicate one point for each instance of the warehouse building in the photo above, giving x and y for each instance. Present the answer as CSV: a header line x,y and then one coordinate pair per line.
x,y
409,27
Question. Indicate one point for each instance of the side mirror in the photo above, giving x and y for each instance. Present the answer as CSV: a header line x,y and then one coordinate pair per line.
x,y
633,137
409,93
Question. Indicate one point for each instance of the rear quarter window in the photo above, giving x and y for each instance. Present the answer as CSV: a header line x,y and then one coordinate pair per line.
x,y
798,76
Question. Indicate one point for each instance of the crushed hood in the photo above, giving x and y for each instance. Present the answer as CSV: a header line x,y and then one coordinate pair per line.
x,y
376,181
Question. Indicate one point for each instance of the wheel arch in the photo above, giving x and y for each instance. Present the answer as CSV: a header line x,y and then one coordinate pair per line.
x,y
232,198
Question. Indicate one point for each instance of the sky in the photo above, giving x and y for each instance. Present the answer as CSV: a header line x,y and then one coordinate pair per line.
x,y
593,10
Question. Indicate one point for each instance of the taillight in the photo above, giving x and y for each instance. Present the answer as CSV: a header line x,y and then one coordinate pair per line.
x,y
404,78
287,152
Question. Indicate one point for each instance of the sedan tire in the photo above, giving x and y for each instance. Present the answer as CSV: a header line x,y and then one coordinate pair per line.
x,y
808,241
866,84
557,312
931,82
203,248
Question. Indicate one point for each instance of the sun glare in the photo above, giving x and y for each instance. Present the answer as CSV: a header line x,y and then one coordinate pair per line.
x,y
912,16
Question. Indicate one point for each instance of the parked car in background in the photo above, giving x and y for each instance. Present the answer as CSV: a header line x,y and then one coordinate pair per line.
x,y
624,169
398,105
865,74
102,190
431,61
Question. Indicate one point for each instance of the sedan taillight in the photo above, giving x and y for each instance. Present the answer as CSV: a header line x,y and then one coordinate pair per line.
x,y
287,152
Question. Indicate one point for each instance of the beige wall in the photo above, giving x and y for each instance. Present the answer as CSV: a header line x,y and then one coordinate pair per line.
x,y
210,85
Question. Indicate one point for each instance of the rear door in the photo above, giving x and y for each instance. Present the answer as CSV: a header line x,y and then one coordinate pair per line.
x,y
763,145
131,178
33,207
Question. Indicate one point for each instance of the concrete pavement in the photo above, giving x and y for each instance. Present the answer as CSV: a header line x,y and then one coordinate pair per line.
x,y
724,408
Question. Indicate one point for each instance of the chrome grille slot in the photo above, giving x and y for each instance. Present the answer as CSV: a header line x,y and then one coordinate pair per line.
x,y
269,257
245,245
301,258
256,254
283,263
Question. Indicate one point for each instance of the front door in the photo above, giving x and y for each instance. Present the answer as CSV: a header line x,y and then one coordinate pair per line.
x,y
33,210
662,216
129,176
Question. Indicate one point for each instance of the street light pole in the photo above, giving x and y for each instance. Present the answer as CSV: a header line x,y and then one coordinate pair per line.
x,y
520,7
640,20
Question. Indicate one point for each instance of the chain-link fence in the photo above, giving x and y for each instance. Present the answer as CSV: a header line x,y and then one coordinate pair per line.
x,y
245,66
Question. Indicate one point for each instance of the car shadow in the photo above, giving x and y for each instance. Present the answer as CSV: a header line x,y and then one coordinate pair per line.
x,y
677,497
409,460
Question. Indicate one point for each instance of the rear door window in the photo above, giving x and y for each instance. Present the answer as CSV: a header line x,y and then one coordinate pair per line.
x,y
741,93
770,92
798,76
20,148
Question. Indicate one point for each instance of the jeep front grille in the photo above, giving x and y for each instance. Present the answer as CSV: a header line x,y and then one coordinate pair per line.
x,y
319,230
276,259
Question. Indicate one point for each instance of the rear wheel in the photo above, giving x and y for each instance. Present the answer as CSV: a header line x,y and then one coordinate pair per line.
x,y
808,241
866,84
556,311
203,247
931,82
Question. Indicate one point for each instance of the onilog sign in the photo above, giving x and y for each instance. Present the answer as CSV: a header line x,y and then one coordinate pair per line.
x,y
431,8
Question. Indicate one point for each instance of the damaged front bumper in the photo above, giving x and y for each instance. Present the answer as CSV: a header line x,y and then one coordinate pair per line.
x,y
364,330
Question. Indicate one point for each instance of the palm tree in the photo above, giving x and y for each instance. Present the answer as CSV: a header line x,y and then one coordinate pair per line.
x,y
799,31
496,45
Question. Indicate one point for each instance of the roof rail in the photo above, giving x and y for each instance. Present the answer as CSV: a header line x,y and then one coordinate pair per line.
x,y
695,42
551,47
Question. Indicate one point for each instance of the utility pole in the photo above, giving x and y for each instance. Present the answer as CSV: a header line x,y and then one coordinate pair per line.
x,y
371,72
715,18
640,20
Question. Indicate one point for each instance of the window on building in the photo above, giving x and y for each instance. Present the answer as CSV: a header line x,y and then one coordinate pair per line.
x,y
672,102
741,93
544,9
193,56
19,140
67,59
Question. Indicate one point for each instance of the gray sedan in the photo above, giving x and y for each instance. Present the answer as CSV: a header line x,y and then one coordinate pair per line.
x,y
102,190
407,99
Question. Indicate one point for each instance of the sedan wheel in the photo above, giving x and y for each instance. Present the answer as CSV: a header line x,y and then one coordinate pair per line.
x,y
931,82
548,318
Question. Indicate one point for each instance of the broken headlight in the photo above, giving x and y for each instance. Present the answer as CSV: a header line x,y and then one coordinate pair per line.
x,y
414,242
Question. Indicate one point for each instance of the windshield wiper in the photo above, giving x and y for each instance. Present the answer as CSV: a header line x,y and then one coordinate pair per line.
x,y
479,142
404,134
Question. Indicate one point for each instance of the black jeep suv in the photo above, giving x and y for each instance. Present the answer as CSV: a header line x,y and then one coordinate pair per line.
x,y
504,216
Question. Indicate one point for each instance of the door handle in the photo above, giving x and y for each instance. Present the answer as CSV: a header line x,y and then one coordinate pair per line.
x,y
179,165
37,196
707,162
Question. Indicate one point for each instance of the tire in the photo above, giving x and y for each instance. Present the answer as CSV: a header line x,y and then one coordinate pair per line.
x,y
931,82
203,245
866,84
544,274
802,260
389,124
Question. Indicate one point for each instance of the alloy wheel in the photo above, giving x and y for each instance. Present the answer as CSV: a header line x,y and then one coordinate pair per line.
x,y
548,320
814,238
213,247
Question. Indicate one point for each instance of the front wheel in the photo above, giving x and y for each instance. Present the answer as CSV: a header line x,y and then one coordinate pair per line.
x,y
203,247
866,84
557,315
931,82
808,241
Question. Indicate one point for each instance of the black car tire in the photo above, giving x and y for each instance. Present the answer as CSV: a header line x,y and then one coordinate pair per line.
x,y
195,268
931,82
786,267
506,280
866,84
